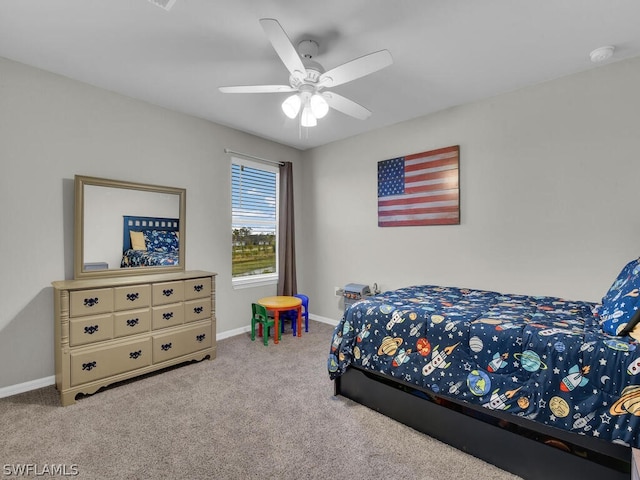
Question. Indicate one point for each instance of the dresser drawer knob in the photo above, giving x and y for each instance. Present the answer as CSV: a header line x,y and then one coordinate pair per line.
x,y
201,337
89,366
90,302
168,292
132,322
198,310
135,355
132,297
198,288
167,315
165,347
91,329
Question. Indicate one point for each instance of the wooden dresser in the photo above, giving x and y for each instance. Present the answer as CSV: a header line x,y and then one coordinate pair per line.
x,y
111,329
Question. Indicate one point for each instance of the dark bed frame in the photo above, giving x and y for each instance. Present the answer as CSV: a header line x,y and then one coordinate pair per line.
x,y
523,447
137,224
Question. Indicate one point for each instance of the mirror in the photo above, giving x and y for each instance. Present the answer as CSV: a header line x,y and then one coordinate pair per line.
x,y
125,228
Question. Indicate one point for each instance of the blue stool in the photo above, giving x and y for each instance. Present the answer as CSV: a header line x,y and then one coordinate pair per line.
x,y
293,315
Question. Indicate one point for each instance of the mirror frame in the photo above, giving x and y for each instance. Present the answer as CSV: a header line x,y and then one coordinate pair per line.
x,y
80,182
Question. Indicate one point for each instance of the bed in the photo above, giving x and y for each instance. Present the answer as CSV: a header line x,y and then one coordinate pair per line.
x,y
505,377
149,241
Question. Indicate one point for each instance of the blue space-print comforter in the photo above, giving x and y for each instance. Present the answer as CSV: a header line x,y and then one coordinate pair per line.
x,y
143,258
542,358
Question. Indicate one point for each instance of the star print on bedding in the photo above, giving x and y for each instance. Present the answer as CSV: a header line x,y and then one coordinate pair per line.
x,y
542,358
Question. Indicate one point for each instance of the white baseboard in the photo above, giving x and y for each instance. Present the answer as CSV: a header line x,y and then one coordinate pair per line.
x,y
46,381
238,331
233,333
27,386
318,318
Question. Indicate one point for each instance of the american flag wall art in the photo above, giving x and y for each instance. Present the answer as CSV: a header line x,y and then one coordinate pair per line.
x,y
420,189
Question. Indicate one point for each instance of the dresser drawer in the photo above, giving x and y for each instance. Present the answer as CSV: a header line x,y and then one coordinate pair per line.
x,y
197,288
104,362
90,302
175,344
133,296
131,322
168,315
199,309
90,329
168,292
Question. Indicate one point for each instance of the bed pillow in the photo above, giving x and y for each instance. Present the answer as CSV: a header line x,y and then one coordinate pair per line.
x,y
137,240
620,310
161,241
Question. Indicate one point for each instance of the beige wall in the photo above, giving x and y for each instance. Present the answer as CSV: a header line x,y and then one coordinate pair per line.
x,y
548,178
549,201
52,128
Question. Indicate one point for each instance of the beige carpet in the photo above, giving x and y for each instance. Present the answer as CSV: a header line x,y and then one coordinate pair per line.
x,y
254,412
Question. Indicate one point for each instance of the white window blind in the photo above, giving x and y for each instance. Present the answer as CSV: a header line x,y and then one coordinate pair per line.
x,y
254,201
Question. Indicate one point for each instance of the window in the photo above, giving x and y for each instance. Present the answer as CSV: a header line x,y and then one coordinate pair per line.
x,y
254,223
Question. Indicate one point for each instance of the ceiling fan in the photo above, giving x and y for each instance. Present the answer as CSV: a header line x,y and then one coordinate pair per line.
x,y
308,79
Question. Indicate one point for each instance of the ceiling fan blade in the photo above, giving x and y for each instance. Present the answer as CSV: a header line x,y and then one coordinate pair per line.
x,y
346,106
257,89
283,46
356,68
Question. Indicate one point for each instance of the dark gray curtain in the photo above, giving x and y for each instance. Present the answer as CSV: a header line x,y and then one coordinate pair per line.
x,y
286,242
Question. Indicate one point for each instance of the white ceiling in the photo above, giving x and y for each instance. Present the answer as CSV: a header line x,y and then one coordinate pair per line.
x,y
446,52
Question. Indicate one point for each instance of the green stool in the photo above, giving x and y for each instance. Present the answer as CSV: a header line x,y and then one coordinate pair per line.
x,y
259,315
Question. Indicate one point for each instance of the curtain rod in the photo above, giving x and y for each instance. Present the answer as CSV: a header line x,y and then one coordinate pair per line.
x,y
252,157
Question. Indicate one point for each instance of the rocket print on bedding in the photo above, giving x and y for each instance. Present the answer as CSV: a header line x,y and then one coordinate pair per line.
x,y
542,358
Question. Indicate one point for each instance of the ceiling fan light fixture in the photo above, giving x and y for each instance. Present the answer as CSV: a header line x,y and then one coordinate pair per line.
x,y
319,106
308,77
291,106
308,119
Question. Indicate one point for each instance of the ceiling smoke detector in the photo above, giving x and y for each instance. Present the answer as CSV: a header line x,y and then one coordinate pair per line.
x,y
601,54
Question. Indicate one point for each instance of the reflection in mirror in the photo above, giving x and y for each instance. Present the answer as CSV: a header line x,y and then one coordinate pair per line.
x,y
125,228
